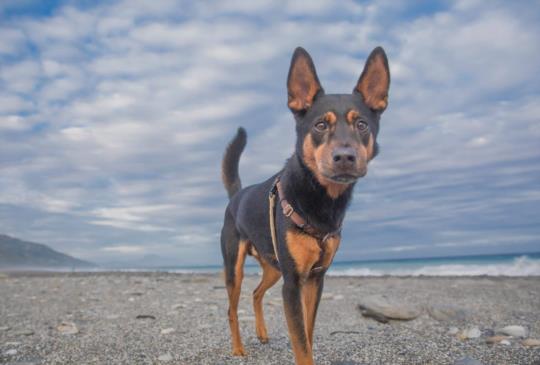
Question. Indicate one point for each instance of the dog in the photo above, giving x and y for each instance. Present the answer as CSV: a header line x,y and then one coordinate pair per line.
x,y
291,223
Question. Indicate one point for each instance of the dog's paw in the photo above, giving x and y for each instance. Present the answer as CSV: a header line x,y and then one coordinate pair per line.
x,y
263,339
239,352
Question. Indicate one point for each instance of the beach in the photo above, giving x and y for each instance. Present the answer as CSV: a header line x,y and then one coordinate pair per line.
x,y
171,318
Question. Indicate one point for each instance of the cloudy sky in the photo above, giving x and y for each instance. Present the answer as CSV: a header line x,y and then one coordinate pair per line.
x,y
114,116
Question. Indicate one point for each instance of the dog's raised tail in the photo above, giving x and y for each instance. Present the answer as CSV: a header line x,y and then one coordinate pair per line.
x,y
229,165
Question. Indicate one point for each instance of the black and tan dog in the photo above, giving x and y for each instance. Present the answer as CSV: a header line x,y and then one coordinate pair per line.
x,y
336,138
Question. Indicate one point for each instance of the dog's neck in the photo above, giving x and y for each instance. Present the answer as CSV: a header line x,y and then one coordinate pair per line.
x,y
310,199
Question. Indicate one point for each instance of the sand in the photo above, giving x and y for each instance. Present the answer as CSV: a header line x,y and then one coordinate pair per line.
x,y
155,318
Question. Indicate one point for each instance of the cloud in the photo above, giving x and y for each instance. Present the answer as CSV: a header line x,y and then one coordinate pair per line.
x,y
114,117
12,123
13,41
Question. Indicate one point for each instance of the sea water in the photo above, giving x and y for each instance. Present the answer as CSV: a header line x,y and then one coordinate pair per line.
x,y
527,264
490,265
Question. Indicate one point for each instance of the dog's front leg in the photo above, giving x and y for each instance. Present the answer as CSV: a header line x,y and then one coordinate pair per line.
x,y
313,287
311,296
296,315
303,285
300,292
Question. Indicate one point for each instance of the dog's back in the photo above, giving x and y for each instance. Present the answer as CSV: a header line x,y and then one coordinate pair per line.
x,y
248,208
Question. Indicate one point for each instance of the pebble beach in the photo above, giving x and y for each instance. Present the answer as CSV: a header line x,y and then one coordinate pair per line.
x,y
164,318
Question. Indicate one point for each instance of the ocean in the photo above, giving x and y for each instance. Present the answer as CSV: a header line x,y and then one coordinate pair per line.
x,y
523,264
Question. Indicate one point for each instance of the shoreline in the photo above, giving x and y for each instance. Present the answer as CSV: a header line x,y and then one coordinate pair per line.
x,y
150,272
180,318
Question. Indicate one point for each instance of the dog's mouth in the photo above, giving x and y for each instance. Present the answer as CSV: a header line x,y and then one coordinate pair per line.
x,y
346,178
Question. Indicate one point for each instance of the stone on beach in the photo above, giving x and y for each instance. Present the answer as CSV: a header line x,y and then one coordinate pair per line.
x,y
165,357
24,332
382,310
496,339
12,343
145,316
11,352
167,331
67,328
447,313
514,331
531,342
327,295
469,333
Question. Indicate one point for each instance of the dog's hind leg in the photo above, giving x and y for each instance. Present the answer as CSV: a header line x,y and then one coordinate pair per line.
x,y
234,254
270,276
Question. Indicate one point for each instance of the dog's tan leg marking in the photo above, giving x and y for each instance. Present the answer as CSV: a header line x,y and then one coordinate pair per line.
x,y
234,296
310,301
301,347
312,288
270,276
305,252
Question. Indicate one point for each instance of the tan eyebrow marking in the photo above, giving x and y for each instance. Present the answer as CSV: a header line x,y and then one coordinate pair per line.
x,y
330,117
352,115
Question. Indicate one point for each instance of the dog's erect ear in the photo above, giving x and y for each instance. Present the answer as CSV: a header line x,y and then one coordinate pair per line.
x,y
302,83
374,82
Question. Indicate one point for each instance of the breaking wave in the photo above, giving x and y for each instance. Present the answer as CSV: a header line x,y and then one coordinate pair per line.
x,y
520,266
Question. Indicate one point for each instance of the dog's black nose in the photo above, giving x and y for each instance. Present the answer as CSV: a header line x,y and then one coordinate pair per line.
x,y
344,157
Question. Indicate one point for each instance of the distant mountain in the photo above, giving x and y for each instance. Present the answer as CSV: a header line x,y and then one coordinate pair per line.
x,y
15,253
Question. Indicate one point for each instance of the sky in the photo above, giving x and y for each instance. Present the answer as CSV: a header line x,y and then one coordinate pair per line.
x,y
114,116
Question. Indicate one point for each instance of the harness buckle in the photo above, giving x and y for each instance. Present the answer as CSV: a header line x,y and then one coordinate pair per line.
x,y
273,191
288,210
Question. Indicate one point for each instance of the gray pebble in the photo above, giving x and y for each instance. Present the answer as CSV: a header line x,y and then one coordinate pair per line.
x,y
12,343
447,313
24,332
514,331
165,357
67,328
11,352
167,331
473,332
377,306
531,342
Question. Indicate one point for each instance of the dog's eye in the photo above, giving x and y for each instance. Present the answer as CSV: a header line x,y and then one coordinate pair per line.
x,y
321,126
361,125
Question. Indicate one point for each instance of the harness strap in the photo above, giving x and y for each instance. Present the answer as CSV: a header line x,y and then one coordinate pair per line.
x,y
300,222
271,206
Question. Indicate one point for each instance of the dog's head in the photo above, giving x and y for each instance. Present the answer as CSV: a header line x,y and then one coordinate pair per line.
x,y
337,132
